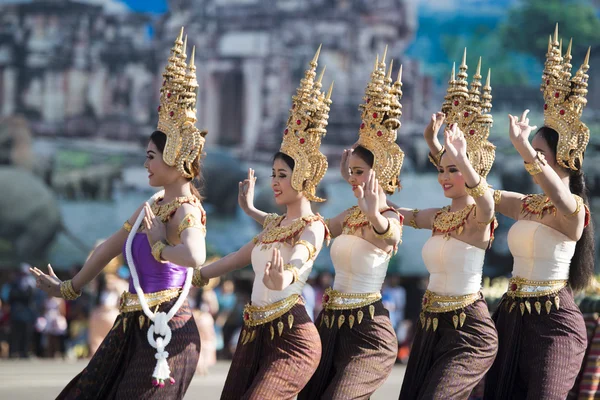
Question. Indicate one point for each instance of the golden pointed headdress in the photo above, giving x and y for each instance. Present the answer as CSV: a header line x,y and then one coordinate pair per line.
x,y
177,110
304,130
381,114
469,108
565,98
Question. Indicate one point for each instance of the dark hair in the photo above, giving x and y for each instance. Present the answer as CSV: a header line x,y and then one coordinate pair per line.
x,y
368,157
285,158
582,263
160,140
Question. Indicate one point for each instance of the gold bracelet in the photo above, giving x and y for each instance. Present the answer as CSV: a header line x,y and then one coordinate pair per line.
x,y
127,226
389,232
157,249
67,291
479,190
310,247
413,221
198,280
579,202
535,167
435,160
497,196
293,270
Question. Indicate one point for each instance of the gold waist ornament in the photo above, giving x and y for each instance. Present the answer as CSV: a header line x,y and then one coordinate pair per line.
x,y
436,304
521,290
255,316
339,301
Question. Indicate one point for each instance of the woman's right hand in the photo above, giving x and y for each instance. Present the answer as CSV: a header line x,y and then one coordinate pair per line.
x,y
434,125
344,169
49,283
246,191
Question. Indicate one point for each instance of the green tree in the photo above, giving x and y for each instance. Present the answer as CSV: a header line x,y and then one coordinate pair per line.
x,y
528,25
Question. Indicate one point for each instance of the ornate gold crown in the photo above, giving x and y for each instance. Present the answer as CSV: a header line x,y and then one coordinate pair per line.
x,y
304,130
381,114
469,108
565,100
177,110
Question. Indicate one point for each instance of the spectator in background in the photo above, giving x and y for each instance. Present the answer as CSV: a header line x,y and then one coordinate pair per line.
x,y
22,315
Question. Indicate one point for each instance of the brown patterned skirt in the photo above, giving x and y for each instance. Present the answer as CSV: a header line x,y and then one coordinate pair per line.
x,y
539,355
356,360
448,362
123,365
274,366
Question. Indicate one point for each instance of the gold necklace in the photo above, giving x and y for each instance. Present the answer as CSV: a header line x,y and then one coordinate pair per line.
x,y
356,219
538,204
285,234
446,221
165,211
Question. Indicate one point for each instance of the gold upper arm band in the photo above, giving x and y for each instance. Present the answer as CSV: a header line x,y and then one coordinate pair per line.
x,y
580,204
312,250
189,221
127,226
413,221
293,270
497,196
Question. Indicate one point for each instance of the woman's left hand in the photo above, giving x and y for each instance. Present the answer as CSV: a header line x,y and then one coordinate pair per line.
x,y
156,230
368,195
274,277
456,145
49,283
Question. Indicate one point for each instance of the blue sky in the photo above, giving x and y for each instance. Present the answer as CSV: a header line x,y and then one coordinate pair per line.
x,y
153,6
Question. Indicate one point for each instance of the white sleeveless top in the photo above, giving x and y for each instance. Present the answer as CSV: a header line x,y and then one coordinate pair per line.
x,y
455,267
261,295
541,253
360,266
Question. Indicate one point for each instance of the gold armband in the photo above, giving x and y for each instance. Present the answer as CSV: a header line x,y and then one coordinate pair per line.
x,y
189,221
389,232
67,292
312,250
413,221
435,159
157,250
198,280
293,270
497,196
127,226
580,204
535,167
479,190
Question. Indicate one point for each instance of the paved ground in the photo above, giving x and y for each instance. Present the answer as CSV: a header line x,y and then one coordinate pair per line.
x,y
43,379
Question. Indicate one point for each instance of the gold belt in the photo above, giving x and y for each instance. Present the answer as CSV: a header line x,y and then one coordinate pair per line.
x,y
435,304
130,302
334,300
255,315
521,288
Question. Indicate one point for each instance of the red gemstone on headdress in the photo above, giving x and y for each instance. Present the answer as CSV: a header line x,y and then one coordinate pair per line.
x,y
298,122
293,106
362,126
455,102
302,140
246,316
562,112
545,106
158,108
171,113
379,133
557,95
424,300
169,95
513,287
286,131
375,115
368,100
547,81
472,132
466,114
326,298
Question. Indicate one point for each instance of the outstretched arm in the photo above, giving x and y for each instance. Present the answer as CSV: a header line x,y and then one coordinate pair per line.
x,y
229,263
430,135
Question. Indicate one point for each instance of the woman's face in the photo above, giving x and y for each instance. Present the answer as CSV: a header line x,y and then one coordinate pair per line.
x,y
159,173
359,171
281,183
451,179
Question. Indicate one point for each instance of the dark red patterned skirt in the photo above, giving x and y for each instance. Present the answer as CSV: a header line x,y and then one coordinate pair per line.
x,y
278,368
123,365
356,361
539,356
449,362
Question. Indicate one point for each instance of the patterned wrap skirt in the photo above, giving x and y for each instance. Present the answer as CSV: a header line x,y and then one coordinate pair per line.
x,y
356,359
540,353
275,359
451,352
123,365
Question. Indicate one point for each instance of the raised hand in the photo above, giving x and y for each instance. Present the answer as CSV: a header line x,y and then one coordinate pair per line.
x,y
434,125
344,169
246,191
49,283
155,228
274,277
368,195
456,145
519,129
